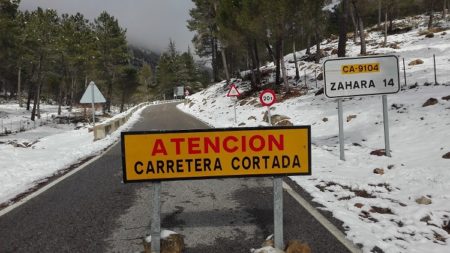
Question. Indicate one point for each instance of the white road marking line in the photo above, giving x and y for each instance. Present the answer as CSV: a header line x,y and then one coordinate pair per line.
x,y
322,220
50,185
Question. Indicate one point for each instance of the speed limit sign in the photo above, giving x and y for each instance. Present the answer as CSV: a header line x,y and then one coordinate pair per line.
x,y
267,97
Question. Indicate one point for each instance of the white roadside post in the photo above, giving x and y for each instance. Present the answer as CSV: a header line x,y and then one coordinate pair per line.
x,y
268,98
234,93
92,95
362,76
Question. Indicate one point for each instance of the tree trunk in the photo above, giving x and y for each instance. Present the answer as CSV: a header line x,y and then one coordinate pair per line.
x,y
444,11
342,28
308,43
294,52
30,94
277,60
109,92
283,69
379,15
38,90
355,25
38,112
60,99
31,86
33,111
225,66
256,55
391,20
63,86
19,88
122,101
385,28
214,60
361,29
362,37
253,66
72,84
430,21
269,50
318,54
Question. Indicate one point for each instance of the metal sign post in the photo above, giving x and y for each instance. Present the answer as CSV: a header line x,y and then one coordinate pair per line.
x,y
269,117
156,218
278,212
341,129
235,117
93,105
387,146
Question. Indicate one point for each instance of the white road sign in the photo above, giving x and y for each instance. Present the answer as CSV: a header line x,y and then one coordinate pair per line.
x,y
92,95
267,97
233,91
373,75
178,91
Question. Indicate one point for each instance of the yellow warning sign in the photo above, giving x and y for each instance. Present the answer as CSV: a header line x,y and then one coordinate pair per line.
x,y
360,68
169,155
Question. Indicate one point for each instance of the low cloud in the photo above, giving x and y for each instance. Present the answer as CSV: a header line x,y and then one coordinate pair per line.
x,y
149,23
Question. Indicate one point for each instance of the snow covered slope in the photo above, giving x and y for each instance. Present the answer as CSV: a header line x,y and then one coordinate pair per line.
x,y
397,204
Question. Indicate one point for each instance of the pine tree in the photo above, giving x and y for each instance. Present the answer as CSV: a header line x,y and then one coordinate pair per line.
x,y
112,52
9,32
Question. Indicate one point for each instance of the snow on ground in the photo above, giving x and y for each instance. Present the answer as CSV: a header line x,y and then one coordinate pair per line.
x,y
48,150
379,211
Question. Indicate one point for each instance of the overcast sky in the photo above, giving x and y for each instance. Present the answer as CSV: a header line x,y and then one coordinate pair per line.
x,y
149,23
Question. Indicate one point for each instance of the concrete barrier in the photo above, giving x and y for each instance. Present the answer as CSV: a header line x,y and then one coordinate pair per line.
x,y
105,128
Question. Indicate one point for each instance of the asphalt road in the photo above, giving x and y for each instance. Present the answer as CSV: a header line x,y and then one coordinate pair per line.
x,y
93,211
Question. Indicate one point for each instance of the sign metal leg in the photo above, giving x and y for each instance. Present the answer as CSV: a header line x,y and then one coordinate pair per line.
x,y
387,146
235,117
341,129
93,108
156,218
278,212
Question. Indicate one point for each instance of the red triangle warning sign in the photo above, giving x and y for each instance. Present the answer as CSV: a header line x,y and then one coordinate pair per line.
x,y
233,92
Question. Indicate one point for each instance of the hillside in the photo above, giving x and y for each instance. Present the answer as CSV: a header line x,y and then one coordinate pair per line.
x,y
397,204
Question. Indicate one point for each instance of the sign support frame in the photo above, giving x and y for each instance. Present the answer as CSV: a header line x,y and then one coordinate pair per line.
x,y
389,70
277,177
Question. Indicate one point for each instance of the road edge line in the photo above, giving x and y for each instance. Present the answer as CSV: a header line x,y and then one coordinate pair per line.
x,y
53,183
43,189
322,220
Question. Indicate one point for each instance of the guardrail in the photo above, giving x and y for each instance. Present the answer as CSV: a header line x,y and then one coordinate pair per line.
x,y
107,127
